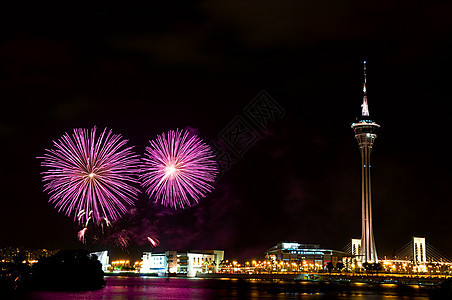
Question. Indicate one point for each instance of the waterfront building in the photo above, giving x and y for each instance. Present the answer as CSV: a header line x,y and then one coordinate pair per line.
x,y
185,263
365,133
154,263
10,253
308,256
35,254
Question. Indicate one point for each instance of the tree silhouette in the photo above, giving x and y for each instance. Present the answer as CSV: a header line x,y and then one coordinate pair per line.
x,y
372,267
339,266
330,266
68,270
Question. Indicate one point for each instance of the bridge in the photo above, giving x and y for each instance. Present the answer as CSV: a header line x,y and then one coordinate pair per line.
x,y
416,256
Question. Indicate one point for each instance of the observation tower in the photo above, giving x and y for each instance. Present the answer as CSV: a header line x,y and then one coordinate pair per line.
x,y
365,133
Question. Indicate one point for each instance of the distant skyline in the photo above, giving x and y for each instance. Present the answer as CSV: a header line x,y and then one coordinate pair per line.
x,y
142,72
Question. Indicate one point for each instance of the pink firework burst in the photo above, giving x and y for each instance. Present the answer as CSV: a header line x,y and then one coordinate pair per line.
x,y
89,173
178,169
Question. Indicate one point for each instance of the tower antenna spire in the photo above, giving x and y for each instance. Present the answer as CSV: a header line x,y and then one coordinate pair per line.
x,y
365,110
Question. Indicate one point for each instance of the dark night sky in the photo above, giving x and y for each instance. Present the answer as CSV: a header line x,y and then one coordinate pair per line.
x,y
142,71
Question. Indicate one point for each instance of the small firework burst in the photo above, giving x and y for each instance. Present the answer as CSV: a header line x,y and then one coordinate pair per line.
x,y
178,169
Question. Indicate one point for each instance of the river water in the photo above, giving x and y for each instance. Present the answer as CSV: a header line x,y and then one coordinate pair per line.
x,y
119,287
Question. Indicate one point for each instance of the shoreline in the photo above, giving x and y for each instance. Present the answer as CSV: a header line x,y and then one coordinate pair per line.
x,y
399,279
334,278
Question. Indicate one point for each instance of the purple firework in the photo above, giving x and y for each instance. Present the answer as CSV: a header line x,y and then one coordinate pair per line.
x,y
178,169
91,177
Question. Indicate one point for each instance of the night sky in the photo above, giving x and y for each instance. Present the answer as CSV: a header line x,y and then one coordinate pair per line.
x,y
144,70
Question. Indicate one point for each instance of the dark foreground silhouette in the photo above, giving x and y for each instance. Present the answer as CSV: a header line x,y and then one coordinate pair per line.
x,y
68,270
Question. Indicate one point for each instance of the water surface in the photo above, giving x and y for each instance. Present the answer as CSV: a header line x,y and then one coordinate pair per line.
x,y
122,287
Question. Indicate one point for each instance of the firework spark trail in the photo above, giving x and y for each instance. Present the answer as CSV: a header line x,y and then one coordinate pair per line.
x,y
80,214
107,224
178,169
122,241
81,235
154,242
88,174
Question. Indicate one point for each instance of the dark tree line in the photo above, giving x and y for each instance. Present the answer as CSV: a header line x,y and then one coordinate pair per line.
x,y
66,270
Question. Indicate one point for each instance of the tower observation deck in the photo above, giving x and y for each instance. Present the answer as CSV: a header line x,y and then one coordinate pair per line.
x,y
365,133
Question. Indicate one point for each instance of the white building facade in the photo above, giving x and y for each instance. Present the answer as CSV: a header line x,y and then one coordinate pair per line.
x,y
154,263
184,263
